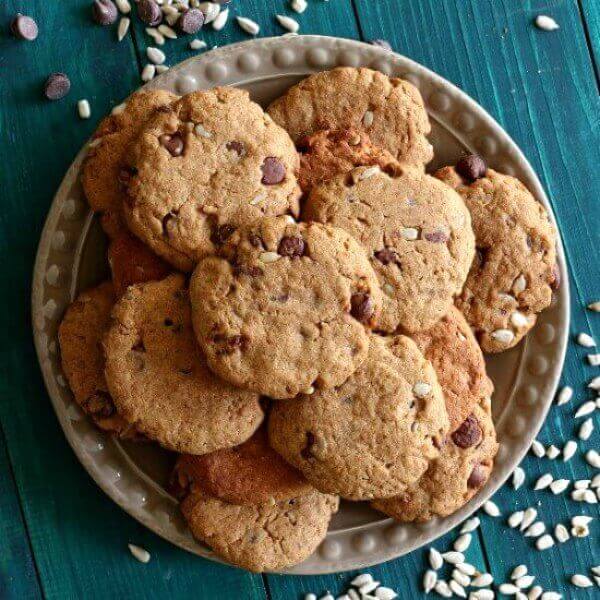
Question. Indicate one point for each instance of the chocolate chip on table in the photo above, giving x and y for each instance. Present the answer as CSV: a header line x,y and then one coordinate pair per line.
x,y
471,167
57,86
468,434
382,44
149,12
104,12
221,233
238,147
291,246
477,477
361,307
24,27
386,256
172,142
191,21
273,171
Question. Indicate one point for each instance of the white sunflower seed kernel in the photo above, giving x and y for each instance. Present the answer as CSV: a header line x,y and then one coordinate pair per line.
x,y
123,28
288,23
269,257
595,481
578,495
529,517
148,72
551,596
155,35
361,579
519,284
565,394
457,588
463,542
421,389
197,44
435,559
594,384
161,69
504,336
546,23
298,6
518,478
593,458
310,597
220,20
368,172
535,530
429,580
459,576
83,109
385,593
582,484
210,10
524,582
388,289
558,486
535,592
368,118
544,542
367,588
581,581
123,6
443,589
453,557
580,531
470,525
561,533
483,595
552,452
595,570
508,589
594,306
139,553
569,450
248,25
585,340
515,519
594,359
491,509
590,497
167,31
409,233
155,55
543,482
538,449
201,131
518,572
585,409
586,429
518,320
482,580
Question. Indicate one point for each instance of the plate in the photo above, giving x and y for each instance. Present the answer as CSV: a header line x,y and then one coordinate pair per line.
x,y
71,257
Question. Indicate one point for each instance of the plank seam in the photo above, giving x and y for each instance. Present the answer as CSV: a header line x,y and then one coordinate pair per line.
x,y
588,43
361,34
266,587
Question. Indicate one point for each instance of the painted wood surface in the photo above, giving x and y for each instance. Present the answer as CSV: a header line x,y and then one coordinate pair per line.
x,y
60,534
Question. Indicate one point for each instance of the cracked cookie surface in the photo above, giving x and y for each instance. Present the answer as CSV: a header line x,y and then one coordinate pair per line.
x,y
514,270
417,233
159,379
374,435
287,306
390,110
215,159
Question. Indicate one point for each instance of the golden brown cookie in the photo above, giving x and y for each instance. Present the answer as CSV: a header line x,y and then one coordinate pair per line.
x,y
511,278
287,307
462,469
417,233
372,436
102,172
79,335
158,376
328,153
214,160
391,111
453,351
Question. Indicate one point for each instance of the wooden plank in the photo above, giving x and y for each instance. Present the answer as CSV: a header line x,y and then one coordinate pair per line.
x,y
79,537
541,88
590,11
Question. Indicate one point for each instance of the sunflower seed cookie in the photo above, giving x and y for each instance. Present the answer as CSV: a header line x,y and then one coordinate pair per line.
x,y
328,153
514,270
158,377
374,435
214,160
102,173
463,467
286,307
417,233
391,111
79,336
453,351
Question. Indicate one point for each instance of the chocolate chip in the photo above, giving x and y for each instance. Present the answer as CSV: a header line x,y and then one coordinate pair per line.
x,y
100,405
477,477
24,27
292,246
273,171
57,86
125,175
481,255
381,44
104,12
387,256
438,236
221,233
306,452
149,12
555,284
173,143
238,147
361,307
191,20
468,434
471,167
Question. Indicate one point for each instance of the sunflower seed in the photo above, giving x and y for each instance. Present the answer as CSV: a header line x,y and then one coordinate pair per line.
x,y
457,589
569,450
461,578
148,72
409,233
84,110
170,11
435,559
518,478
453,557
565,394
546,23
361,579
551,596
421,389
545,542
443,589
543,482
578,495
538,449
518,320
585,340
385,593
552,452
463,542
248,25
580,531
310,597
199,130
429,580
288,23
581,581
269,257
525,581
508,588
161,69
595,383
155,55
561,533
482,595
197,44
504,336
220,20
593,458
586,429
535,530
155,35
529,517
595,306
585,409
582,484
535,592
368,118
518,572
298,6
467,569
210,10
123,28
470,525
594,359
519,284
595,570
595,481
123,6
367,588
353,594
515,519
491,509
142,555
558,486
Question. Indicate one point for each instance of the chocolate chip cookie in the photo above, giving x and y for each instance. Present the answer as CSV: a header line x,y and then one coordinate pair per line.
x,y
102,172
328,153
158,376
514,270
453,351
286,307
463,467
391,111
214,160
374,435
417,232
79,335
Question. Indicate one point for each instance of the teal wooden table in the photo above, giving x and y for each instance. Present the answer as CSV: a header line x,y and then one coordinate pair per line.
x,y
60,537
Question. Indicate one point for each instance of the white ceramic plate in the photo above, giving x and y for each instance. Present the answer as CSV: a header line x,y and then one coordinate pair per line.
x,y
71,256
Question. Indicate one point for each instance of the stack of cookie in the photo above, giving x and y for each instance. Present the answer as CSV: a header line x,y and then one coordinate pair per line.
x,y
298,309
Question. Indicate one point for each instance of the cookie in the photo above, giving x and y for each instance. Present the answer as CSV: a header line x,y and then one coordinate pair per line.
x,y
102,172
158,377
372,436
463,467
79,335
417,233
286,307
252,473
214,160
453,351
391,111
132,262
514,270
328,153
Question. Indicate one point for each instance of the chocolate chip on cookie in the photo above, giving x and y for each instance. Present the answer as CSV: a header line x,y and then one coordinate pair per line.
x,y
173,143
468,434
471,167
273,171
